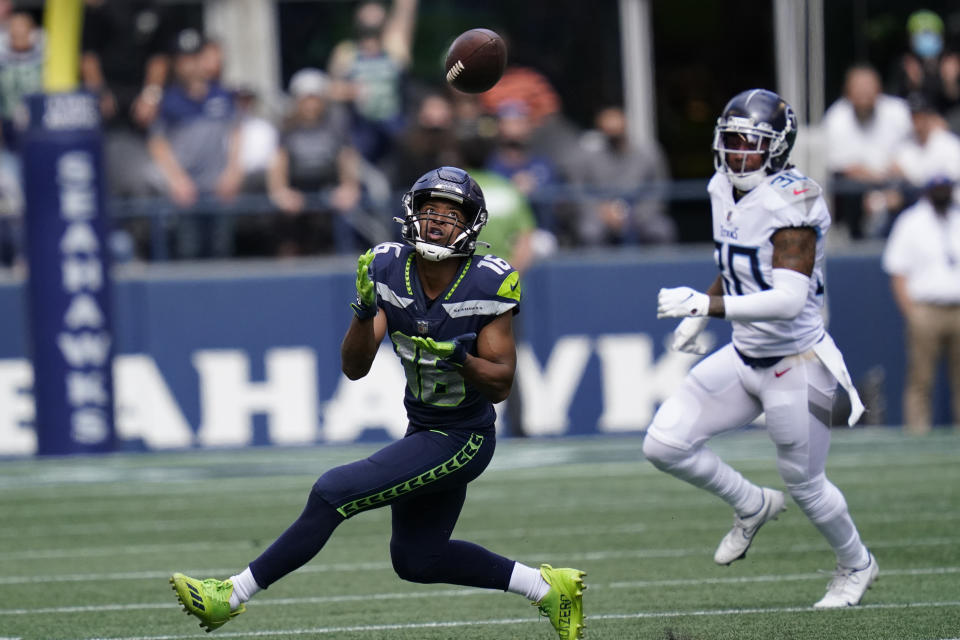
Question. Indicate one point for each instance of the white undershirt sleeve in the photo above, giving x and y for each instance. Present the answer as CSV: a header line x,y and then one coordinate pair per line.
x,y
783,302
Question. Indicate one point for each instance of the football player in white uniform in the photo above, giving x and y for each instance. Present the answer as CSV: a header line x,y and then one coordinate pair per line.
x,y
769,225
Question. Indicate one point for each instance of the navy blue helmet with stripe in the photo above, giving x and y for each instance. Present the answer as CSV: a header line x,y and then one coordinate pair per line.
x,y
448,183
756,121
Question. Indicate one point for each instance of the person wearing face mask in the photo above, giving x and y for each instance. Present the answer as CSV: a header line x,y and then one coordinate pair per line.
x,y
514,158
428,141
928,67
922,257
626,182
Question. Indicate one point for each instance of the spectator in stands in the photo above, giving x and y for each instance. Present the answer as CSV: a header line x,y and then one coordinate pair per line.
x,y
950,71
863,131
315,160
428,142
126,58
533,174
369,73
922,257
195,143
6,10
211,59
125,61
511,225
11,196
259,140
927,68
932,151
553,135
21,71
471,117
627,180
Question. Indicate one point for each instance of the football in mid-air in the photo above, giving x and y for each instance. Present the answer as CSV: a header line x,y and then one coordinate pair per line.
x,y
475,60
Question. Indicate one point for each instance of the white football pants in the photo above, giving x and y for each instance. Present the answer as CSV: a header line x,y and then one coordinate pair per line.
x,y
722,394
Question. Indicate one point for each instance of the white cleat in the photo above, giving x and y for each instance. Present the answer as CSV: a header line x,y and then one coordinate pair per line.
x,y
848,586
735,544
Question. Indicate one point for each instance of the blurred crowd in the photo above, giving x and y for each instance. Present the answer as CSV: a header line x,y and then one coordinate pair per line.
x,y
198,169
884,145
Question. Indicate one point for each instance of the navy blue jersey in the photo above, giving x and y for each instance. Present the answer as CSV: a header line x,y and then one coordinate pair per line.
x,y
485,287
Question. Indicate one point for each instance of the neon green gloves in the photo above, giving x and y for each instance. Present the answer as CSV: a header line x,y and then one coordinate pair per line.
x,y
451,352
366,305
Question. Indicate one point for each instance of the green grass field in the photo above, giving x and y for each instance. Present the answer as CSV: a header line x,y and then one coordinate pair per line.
x,y
87,545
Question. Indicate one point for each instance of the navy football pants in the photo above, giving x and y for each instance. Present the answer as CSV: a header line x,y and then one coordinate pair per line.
x,y
423,478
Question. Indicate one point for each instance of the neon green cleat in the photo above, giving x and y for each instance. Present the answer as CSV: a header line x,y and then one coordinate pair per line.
x,y
563,604
207,599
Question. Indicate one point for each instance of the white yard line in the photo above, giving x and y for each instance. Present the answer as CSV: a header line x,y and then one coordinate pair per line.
x,y
613,554
377,538
134,549
164,574
462,592
39,532
513,621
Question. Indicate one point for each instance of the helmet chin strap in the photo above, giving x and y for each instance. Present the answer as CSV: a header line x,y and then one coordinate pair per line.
x,y
747,181
433,252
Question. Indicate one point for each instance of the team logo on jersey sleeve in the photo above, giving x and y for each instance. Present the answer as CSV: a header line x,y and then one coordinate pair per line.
x,y
510,287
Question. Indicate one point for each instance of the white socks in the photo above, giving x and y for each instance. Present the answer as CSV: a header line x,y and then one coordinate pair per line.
x,y
528,582
244,586
524,580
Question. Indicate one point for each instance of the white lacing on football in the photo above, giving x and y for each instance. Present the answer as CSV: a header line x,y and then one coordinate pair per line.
x,y
455,71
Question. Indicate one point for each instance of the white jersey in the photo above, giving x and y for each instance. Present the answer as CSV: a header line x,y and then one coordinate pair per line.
x,y
742,232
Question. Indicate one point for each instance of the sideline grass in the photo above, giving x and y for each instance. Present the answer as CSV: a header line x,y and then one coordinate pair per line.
x,y
87,544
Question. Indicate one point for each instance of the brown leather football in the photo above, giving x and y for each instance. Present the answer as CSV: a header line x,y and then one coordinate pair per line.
x,y
475,60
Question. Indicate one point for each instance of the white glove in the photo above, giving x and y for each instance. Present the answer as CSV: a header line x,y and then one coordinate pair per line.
x,y
686,334
682,302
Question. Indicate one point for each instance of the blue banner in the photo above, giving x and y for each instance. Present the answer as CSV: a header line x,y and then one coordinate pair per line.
x,y
69,290
250,355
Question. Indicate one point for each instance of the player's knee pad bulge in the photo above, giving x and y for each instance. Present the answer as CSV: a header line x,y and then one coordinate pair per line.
x,y
663,455
818,498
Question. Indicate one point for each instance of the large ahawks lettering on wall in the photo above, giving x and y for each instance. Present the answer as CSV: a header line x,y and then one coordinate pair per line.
x,y
229,400
632,384
548,391
373,401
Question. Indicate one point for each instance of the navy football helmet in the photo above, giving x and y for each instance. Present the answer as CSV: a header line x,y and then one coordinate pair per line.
x,y
753,122
452,184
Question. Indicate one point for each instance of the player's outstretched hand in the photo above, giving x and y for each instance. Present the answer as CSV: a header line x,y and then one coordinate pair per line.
x,y
366,305
451,352
686,336
682,302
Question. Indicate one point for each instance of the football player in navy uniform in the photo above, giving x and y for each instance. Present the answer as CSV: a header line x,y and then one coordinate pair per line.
x,y
449,315
769,227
